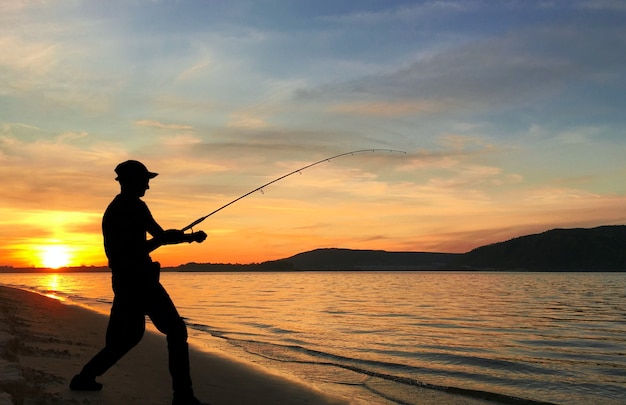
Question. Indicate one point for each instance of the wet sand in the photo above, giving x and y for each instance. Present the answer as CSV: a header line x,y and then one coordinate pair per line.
x,y
44,342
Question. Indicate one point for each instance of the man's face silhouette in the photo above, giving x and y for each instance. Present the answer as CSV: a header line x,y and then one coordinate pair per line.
x,y
135,186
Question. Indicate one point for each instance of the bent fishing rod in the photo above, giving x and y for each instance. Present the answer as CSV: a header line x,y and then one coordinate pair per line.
x,y
260,188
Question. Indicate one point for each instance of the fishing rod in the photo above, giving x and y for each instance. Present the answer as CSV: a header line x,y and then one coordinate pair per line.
x,y
197,221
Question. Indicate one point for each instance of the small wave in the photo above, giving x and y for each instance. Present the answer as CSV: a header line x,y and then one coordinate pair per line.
x,y
270,328
297,354
595,343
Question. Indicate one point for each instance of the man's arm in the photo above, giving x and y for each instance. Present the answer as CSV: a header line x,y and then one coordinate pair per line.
x,y
157,232
173,237
162,237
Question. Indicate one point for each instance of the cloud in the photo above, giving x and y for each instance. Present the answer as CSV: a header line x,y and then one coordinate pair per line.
x,y
479,178
405,13
160,125
193,71
26,58
52,75
185,140
452,151
388,109
66,172
458,142
470,77
176,103
71,136
247,121
490,73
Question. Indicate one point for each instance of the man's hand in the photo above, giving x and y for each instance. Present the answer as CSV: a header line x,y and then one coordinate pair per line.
x,y
199,237
174,236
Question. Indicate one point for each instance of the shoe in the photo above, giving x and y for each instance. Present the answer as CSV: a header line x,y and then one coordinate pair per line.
x,y
188,401
84,383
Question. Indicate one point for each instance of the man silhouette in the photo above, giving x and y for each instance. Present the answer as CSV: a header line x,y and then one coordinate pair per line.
x,y
136,285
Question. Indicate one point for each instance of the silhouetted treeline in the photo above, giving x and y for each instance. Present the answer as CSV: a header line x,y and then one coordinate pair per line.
x,y
275,265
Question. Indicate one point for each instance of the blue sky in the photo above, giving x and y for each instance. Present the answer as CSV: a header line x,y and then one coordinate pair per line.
x,y
511,113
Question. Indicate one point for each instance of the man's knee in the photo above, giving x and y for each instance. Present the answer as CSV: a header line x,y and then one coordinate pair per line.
x,y
134,338
125,339
178,331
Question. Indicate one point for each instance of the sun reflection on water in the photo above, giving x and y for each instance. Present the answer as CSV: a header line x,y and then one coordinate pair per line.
x,y
50,285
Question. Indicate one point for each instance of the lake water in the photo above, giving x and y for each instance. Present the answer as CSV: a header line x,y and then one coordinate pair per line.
x,y
511,337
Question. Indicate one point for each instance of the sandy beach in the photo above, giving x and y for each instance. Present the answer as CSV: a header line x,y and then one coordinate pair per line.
x,y
44,342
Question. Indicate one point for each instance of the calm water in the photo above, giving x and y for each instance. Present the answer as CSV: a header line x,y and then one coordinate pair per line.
x,y
542,337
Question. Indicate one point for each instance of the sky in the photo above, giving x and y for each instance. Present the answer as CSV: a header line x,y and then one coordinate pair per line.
x,y
511,114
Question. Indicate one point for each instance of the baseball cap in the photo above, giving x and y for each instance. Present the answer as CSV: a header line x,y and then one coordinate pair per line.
x,y
133,169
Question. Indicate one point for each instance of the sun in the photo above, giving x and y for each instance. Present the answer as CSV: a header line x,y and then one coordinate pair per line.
x,y
55,256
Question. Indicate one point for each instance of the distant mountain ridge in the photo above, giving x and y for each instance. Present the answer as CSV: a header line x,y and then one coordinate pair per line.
x,y
579,249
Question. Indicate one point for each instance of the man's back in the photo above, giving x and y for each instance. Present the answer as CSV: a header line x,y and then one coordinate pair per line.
x,y
124,226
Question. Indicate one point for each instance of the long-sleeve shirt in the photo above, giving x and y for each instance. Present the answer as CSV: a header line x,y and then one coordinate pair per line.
x,y
125,225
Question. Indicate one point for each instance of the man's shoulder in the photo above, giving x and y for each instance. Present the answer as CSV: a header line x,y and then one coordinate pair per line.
x,y
125,203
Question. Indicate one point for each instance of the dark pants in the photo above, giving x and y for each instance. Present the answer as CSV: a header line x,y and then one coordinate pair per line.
x,y
127,324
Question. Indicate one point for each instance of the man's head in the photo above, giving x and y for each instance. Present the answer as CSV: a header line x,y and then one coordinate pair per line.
x,y
133,177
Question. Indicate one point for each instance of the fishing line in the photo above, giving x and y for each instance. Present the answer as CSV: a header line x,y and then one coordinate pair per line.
x,y
260,188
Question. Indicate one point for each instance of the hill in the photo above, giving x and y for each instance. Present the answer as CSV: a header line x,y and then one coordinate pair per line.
x,y
580,249
349,259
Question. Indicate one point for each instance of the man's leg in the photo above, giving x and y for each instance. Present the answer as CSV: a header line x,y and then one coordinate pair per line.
x,y
126,328
165,317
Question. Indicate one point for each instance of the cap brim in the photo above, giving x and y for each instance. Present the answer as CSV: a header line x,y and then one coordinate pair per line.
x,y
149,175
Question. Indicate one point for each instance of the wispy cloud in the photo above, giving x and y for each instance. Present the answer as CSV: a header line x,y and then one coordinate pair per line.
x,y
389,109
161,125
405,13
193,70
504,72
57,173
246,120
26,58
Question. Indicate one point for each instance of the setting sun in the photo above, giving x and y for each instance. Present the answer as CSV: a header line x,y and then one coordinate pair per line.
x,y
55,256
